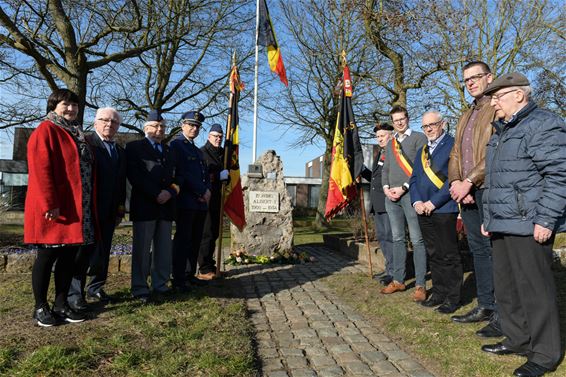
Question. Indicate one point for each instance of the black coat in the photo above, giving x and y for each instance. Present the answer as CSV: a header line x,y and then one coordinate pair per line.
x,y
149,173
377,197
110,180
214,160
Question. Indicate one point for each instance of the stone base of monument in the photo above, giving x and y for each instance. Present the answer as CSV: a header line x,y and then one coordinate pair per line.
x,y
268,209
346,245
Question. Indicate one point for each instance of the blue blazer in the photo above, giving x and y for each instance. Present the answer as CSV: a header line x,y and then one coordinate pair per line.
x,y
422,189
191,174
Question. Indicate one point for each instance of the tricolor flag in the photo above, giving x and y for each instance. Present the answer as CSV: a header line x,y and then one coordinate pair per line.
x,y
233,195
347,158
266,37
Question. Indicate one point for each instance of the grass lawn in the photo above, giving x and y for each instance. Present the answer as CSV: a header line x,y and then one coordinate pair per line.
x,y
446,348
204,333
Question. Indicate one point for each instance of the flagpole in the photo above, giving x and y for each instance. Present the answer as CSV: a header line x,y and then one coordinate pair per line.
x,y
365,221
227,145
254,139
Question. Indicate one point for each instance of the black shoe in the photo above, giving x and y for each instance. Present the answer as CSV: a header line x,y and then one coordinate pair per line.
x,y
447,308
44,317
491,330
79,305
477,314
142,299
68,315
100,296
500,349
530,369
181,289
433,300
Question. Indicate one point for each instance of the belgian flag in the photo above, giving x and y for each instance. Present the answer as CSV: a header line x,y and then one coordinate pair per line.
x,y
266,37
233,196
347,157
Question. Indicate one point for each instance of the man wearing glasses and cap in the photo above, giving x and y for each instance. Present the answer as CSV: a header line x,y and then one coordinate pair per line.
x,y
191,174
524,207
152,206
213,154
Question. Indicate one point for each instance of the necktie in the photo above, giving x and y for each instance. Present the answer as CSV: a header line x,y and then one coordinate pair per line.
x,y
158,149
113,151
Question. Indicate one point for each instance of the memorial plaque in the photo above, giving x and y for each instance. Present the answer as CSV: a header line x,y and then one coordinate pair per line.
x,y
264,201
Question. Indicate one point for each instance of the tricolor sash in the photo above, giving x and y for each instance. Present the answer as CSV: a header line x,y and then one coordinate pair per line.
x,y
435,176
402,160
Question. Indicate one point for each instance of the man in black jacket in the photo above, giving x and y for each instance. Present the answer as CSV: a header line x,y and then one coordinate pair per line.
x,y
152,208
214,158
110,181
383,134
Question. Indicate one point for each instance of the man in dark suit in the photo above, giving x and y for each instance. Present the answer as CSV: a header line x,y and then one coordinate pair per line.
x,y
437,214
152,207
110,181
192,176
213,155
383,133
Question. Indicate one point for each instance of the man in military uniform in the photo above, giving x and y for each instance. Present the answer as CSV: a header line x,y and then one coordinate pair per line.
x,y
192,177
214,158
152,206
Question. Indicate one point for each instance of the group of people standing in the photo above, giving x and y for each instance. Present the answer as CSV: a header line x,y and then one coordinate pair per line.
x,y
76,197
505,174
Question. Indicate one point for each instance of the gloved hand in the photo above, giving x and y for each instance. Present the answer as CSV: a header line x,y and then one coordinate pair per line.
x,y
224,175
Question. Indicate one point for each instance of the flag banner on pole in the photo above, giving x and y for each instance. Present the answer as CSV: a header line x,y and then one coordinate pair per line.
x,y
233,195
347,157
266,37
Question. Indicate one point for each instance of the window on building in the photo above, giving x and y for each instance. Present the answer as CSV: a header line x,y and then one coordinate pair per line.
x,y
292,191
314,193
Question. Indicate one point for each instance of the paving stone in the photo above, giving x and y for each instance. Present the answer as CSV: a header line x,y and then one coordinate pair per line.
x,y
296,362
408,364
277,373
330,372
386,346
339,348
358,338
304,333
272,364
310,342
322,361
303,373
358,369
322,325
324,333
372,357
420,373
331,340
346,357
362,347
292,352
268,353
384,367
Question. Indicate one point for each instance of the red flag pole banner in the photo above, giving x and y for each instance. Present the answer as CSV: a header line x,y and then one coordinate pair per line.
x,y
233,195
266,37
347,158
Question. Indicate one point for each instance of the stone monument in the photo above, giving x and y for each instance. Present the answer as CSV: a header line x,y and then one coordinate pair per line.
x,y
269,217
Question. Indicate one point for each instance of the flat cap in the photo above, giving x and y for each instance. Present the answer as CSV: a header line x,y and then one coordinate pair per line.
x,y
216,128
383,126
505,81
154,116
193,117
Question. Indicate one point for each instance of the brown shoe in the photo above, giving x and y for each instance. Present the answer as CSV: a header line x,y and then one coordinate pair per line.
x,y
393,287
207,276
420,294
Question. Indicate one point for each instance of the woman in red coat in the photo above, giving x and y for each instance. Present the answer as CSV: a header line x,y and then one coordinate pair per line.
x,y
58,215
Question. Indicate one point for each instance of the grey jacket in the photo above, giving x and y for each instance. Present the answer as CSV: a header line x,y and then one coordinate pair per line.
x,y
526,173
392,174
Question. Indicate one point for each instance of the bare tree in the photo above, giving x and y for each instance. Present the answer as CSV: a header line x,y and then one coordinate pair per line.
x,y
56,42
193,63
320,31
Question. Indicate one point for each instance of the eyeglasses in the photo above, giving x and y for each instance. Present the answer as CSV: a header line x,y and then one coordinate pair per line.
x,y
106,120
216,136
474,78
399,121
497,97
431,125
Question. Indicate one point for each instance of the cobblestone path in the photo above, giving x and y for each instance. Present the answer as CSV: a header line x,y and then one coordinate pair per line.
x,y
303,329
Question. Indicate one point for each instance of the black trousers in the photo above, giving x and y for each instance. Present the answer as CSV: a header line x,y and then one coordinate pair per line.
x,y
526,297
209,236
441,242
186,243
64,258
